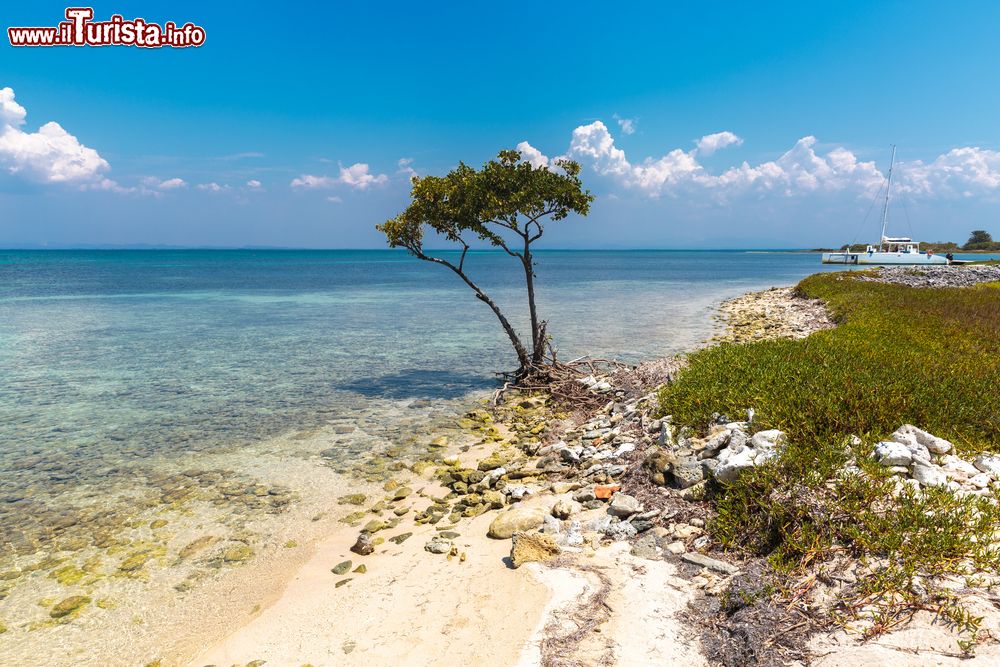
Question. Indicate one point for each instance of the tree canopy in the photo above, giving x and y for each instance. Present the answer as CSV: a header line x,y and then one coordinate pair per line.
x,y
506,205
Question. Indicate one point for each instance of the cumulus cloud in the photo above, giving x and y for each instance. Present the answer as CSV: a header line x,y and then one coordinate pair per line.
x,y
356,176
713,142
803,169
253,184
532,155
627,125
212,187
405,165
50,155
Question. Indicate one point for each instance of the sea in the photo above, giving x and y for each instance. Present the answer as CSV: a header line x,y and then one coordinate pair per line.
x,y
163,410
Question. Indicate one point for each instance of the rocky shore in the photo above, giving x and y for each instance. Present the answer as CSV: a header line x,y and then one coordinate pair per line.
x,y
779,312
934,276
604,505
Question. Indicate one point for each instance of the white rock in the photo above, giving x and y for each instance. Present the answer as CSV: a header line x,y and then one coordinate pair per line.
x,y
768,439
676,548
958,469
733,464
928,475
910,433
623,505
624,448
893,453
919,451
980,481
988,463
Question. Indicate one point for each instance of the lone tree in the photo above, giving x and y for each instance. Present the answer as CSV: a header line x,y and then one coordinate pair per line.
x,y
980,237
505,205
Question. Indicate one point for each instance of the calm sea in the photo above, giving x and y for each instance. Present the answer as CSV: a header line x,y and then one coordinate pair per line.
x,y
138,384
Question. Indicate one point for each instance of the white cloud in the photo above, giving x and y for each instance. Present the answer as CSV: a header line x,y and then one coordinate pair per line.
x,y
334,199
356,176
309,181
212,187
803,169
50,155
713,142
627,125
253,184
405,165
532,155
172,184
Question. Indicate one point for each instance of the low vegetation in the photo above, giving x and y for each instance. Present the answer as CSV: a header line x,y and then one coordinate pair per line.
x,y
929,357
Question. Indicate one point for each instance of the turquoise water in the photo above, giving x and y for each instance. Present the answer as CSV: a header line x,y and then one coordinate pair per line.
x,y
149,399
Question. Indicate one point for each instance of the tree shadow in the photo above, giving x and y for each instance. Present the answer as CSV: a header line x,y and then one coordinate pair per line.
x,y
417,383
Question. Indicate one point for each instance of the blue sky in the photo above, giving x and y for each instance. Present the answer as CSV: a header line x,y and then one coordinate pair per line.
x,y
708,125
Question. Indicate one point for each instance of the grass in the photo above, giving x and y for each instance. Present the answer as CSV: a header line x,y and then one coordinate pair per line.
x,y
930,357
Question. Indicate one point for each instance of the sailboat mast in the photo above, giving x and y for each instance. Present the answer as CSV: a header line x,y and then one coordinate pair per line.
x,y
885,206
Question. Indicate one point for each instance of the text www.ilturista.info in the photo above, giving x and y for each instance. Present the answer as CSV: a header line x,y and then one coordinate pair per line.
x,y
80,30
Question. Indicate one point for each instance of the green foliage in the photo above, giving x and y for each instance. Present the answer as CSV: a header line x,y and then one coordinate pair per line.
x,y
930,357
505,194
979,236
922,356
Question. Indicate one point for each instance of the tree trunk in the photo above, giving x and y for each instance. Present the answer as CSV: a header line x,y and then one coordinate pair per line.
x,y
523,358
537,328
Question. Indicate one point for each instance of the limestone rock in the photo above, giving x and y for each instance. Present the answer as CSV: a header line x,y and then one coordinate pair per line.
x,y
907,433
928,475
564,508
988,463
624,505
532,547
438,545
514,520
893,453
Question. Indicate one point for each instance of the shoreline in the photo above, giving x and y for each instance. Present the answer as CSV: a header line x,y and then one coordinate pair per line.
x,y
278,632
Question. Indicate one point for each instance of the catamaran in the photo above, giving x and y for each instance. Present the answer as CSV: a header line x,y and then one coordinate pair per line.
x,y
891,249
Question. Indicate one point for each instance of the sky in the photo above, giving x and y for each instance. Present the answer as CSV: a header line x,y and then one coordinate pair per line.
x,y
698,125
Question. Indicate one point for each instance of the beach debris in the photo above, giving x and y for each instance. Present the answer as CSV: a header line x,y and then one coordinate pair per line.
x,y
529,547
605,491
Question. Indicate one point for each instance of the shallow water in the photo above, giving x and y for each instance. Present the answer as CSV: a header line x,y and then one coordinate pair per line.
x,y
216,390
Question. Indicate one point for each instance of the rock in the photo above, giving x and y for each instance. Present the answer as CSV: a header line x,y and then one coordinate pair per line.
x,y
364,545
620,531
731,465
573,537
715,443
980,481
375,525
584,495
564,508
517,493
341,568
770,439
69,605
514,520
892,453
237,554
492,462
685,531
402,492
647,548
532,548
686,471
438,545
605,491
494,499
623,505
594,504
570,454
676,548
702,560
361,569
908,433
928,475
641,525
352,499
988,463
694,493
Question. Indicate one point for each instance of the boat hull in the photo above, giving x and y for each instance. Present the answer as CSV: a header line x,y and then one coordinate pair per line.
x,y
881,258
